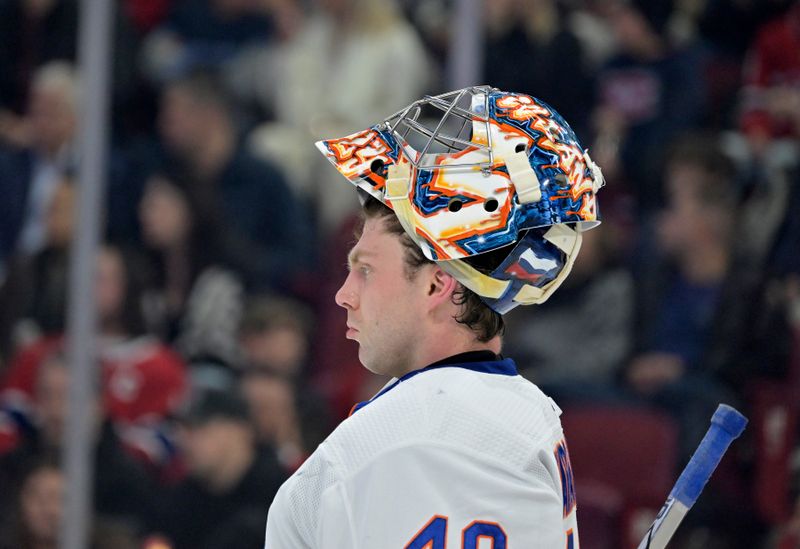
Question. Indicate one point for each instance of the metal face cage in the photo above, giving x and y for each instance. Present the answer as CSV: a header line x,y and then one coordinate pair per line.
x,y
444,124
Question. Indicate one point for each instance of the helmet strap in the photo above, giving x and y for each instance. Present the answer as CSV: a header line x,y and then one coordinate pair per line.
x,y
398,185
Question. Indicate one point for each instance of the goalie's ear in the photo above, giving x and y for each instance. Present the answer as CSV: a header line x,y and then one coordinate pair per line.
x,y
440,286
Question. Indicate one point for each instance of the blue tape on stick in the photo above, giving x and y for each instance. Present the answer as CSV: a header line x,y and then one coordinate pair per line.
x,y
726,425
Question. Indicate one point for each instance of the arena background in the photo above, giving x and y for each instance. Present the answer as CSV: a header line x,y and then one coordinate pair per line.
x,y
219,361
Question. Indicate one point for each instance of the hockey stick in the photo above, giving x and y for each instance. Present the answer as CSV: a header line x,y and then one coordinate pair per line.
x,y
726,425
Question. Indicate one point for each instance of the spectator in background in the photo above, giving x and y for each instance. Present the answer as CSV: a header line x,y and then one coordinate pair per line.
x,y
33,32
752,331
555,69
33,297
220,505
263,230
290,417
680,296
272,400
39,32
34,157
143,381
727,30
309,88
682,300
731,26
275,335
771,93
195,301
122,489
35,521
647,94
203,34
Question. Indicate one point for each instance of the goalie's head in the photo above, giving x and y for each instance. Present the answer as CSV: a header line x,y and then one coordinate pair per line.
x,y
492,185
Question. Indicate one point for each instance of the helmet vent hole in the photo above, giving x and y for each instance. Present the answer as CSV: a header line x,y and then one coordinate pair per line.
x,y
562,180
376,166
454,205
490,205
520,147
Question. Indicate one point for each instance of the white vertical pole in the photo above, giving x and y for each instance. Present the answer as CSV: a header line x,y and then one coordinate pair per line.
x,y
94,55
465,60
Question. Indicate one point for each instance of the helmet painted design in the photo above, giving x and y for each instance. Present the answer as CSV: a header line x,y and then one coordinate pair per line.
x,y
478,170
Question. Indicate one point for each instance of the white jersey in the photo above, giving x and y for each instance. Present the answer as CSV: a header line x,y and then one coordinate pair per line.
x,y
459,456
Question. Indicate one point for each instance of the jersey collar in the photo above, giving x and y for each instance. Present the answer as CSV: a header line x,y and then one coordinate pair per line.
x,y
478,361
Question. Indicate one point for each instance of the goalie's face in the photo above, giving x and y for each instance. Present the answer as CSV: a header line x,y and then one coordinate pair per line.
x,y
385,309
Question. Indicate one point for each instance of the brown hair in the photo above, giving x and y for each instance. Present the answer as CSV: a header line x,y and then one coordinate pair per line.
x,y
474,313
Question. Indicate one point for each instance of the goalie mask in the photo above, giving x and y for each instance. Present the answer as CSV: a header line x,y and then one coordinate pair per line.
x,y
491,185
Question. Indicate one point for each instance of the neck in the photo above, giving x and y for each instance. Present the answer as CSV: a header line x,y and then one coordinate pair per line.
x,y
451,343
238,461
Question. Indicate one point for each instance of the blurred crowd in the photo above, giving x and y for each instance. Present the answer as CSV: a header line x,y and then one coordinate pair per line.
x,y
221,353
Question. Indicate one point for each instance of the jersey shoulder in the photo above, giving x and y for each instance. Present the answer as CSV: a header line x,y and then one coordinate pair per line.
x,y
457,422
499,417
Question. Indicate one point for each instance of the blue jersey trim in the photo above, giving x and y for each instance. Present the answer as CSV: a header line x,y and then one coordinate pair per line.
x,y
503,367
